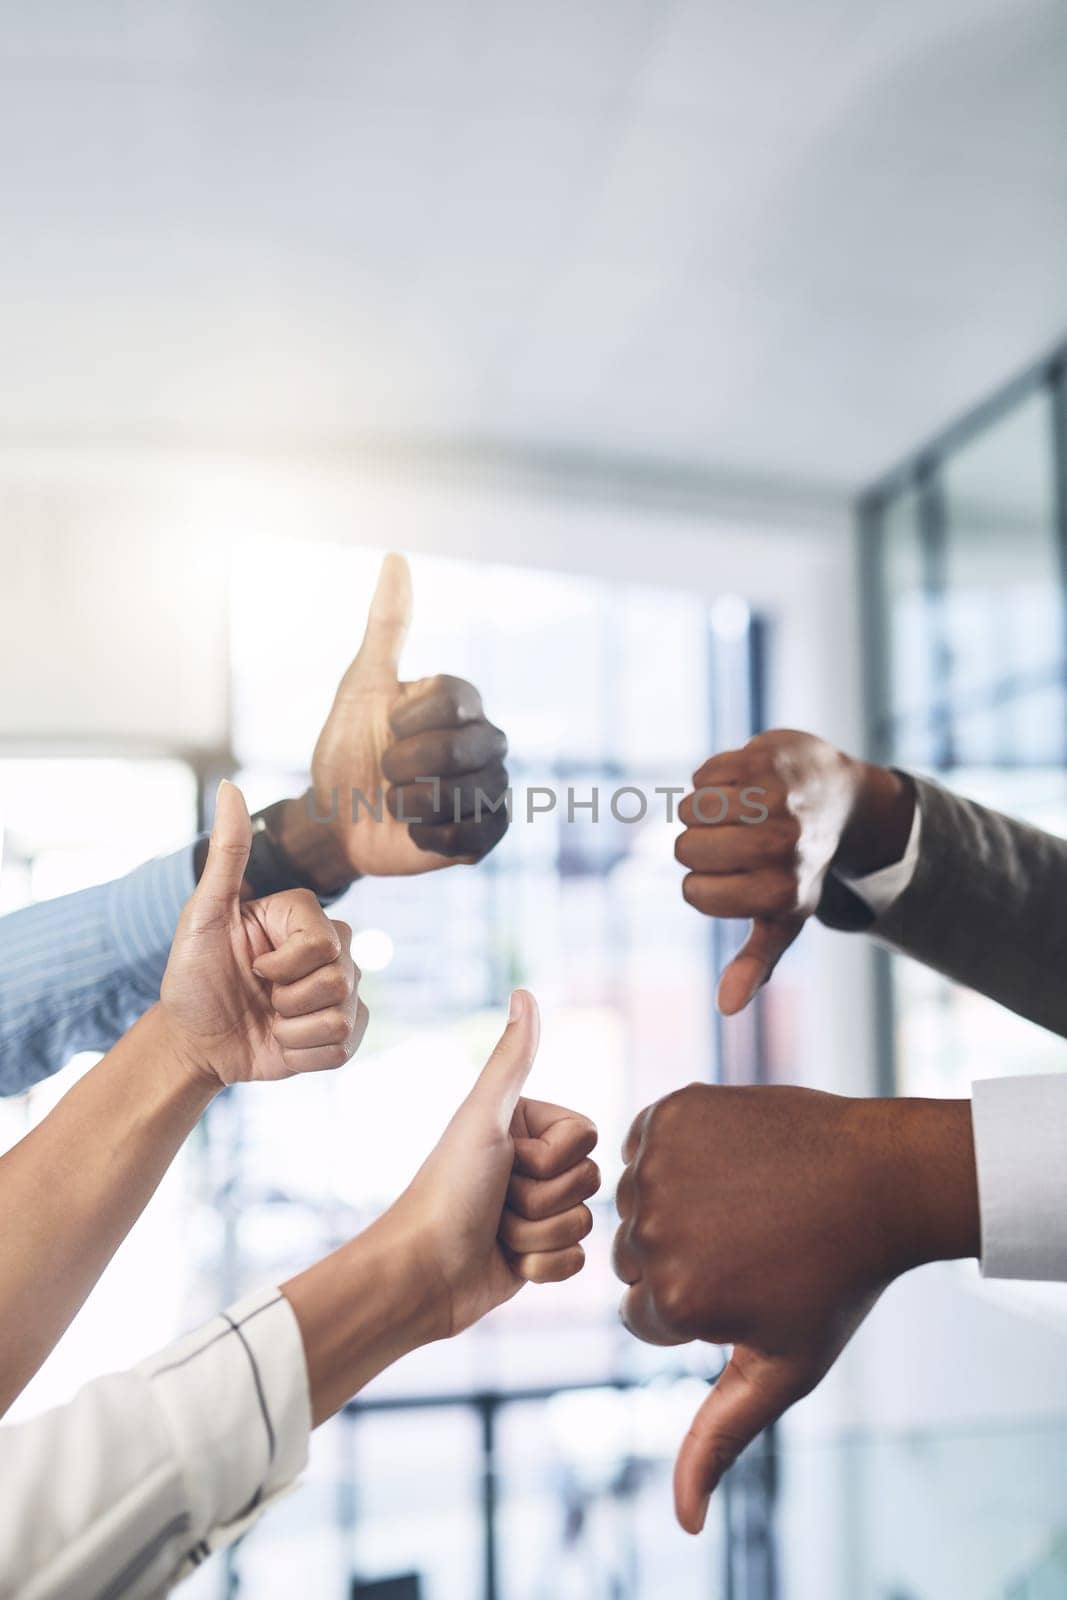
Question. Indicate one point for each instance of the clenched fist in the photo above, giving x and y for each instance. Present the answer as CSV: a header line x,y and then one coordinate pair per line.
x,y
764,826
263,988
423,753
771,1219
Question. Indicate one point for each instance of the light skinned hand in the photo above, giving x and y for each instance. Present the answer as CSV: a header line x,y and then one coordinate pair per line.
x,y
499,1202
258,989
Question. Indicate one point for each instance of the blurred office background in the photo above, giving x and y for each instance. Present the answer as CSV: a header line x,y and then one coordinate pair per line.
x,y
706,359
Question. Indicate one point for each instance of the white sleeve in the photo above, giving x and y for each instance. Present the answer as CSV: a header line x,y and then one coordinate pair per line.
x,y
1020,1149
120,1493
878,890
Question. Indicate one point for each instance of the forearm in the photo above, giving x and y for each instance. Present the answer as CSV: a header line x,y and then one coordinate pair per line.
x,y
72,1188
916,1158
77,971
359,1310
985,906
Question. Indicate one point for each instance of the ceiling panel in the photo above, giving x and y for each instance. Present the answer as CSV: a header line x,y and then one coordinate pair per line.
x,y
787,239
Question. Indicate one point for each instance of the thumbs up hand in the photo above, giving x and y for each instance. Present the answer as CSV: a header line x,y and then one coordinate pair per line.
x,y
258,989
499,1202
421,752
771,1219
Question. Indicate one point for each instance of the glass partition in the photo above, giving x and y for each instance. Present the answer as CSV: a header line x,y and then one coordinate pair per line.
x,y
968,603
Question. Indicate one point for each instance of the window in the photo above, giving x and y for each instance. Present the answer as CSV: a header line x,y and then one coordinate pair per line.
x,y
970,551
68,822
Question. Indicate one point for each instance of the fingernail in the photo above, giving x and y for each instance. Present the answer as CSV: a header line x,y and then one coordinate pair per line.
x,y
703,1514
516,1005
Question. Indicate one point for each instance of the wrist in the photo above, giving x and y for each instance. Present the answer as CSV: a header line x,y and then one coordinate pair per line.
x,y
310,840
918,1155
183,1073
359,1310
879,823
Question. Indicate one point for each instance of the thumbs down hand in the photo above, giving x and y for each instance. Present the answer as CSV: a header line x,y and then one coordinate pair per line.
x,y
771,1219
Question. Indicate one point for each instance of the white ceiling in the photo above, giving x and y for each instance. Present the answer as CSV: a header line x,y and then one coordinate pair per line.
x,y
776,238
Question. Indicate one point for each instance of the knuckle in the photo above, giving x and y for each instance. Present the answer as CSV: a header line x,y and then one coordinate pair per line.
x,y
537,1160
463,699
673,1302
585,1131
655,1116
669,1109
336,1026
693,890
647,1230
689,1096
528,1199
647,1177
342,982
527,1202
316,942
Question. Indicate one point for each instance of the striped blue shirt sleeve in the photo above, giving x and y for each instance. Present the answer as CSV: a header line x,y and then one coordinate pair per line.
x,y
77,971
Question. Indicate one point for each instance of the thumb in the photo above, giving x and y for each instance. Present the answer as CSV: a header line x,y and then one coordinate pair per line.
x,y
750,1393
378,662
496,1093
757,958
227,857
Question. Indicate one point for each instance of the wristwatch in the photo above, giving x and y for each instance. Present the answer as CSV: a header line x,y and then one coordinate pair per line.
x,y
270,869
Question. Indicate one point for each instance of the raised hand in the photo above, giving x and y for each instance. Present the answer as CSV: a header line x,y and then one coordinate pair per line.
x,y
771,1219
421,752
499,1202
258,989
762,829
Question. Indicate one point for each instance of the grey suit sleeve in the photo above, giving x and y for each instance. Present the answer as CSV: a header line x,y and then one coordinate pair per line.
x,y
987,906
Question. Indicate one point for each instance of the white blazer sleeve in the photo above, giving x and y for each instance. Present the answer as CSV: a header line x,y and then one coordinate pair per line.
x,y
120,1493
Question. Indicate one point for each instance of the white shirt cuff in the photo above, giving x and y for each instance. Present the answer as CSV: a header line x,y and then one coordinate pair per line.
x,y
878,890
234,1395
1020,1147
